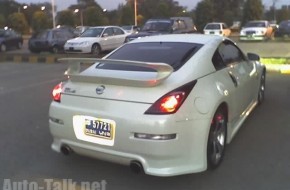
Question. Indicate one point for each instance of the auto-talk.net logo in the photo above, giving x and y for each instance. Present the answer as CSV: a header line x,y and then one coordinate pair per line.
x,y
53,184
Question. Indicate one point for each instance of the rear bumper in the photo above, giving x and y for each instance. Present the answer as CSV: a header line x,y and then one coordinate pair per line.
x,y
184,154
252,37
70,49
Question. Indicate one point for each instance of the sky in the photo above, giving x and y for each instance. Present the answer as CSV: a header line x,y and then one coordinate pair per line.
x,y
113,4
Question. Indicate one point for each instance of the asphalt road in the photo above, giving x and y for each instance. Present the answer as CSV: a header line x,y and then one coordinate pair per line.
x,y
257,158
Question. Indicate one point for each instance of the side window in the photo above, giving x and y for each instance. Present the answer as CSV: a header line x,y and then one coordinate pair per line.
x,y
109,31
57,35
230,53
13,34
118,31
179,25
175,24
7,33
218,61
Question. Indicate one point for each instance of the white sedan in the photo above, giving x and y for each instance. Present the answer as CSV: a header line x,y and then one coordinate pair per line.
x,y
256,30
97,39
217,28
166,105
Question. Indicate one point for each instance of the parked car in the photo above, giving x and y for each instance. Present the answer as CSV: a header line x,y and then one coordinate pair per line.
x,y
97,39
166,105
51,40
174,25
283,30
131,29
257,30
217,28
236,26
80,29
10,39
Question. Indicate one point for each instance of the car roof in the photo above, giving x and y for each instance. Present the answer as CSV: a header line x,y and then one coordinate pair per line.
x,y
258,21
216,23
186,38
104,26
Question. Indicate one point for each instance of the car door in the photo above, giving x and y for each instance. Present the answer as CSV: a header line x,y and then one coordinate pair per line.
x,y
42,40
239,72
61,37
119,37
107,39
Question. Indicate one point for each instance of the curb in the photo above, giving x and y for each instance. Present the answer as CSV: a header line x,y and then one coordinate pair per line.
x,y
37,58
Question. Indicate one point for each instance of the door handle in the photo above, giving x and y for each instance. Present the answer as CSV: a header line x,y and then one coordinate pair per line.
x,y
234,79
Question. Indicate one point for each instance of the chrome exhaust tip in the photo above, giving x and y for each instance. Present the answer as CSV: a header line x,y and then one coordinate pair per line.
x,y
136,167
65,150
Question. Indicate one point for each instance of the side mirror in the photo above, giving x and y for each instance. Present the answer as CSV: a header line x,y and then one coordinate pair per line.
x,y
105,35
253,57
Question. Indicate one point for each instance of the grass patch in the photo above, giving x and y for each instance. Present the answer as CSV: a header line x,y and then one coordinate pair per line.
x,y
280,61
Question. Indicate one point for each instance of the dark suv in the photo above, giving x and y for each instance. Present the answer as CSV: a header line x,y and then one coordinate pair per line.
x,y
174,25
51,40
283,29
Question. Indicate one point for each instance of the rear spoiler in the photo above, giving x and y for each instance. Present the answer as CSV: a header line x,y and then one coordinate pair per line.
x,y
73,72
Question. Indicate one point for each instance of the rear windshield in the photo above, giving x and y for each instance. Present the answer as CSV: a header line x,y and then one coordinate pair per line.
x,y
172,53
213,26
284,24
160,25
255,24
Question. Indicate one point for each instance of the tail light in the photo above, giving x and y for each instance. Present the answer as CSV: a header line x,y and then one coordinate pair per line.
x,y
171,102
56,92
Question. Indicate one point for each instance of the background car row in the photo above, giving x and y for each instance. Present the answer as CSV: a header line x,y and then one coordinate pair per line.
x,y
255,30
110,37
97,39
10,39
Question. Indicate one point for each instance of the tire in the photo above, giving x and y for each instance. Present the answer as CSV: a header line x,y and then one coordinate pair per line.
x,y
217,140
96,50
262,87
3,48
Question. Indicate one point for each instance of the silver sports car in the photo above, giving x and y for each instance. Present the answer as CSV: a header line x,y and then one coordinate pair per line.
x,y
166,105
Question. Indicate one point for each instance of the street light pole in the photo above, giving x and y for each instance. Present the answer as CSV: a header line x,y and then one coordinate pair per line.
x,y
135,12
81,15
53,13
274,9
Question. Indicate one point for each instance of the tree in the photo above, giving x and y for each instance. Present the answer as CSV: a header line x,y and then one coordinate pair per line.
x,y
283,14
66,17
253,10
2,21
40,21
155,9
114,17
204,13
127,17
18,22
8,7
94,16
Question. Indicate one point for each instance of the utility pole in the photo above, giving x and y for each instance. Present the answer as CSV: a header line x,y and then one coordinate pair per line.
x,y
274,9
